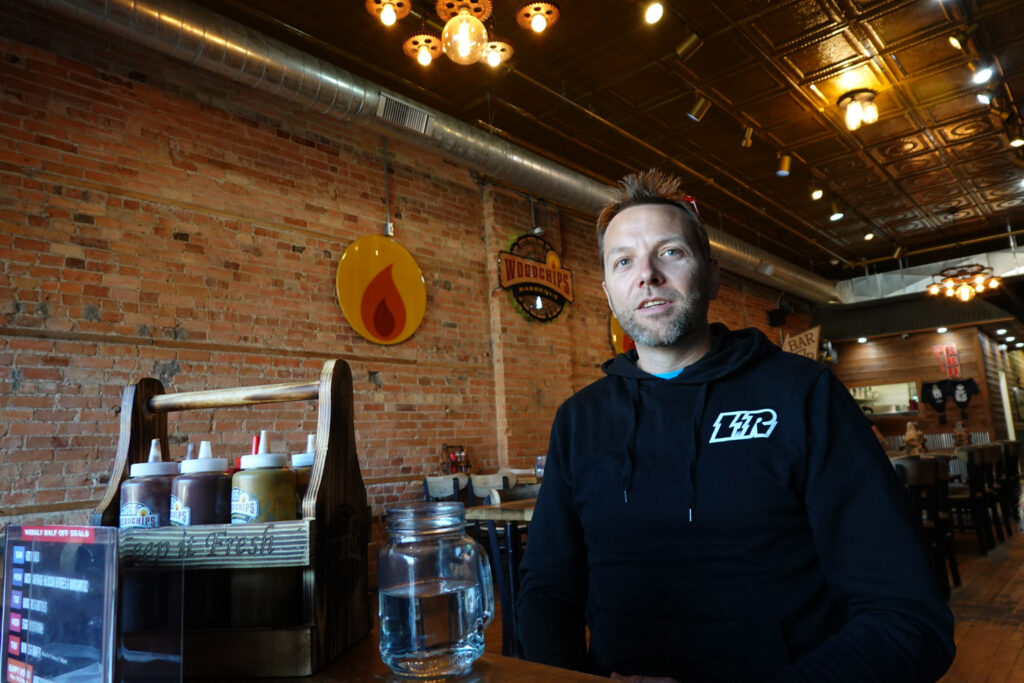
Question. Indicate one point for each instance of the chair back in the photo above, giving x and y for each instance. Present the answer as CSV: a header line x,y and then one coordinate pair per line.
x,y
444,487
921,476
480,485
520,492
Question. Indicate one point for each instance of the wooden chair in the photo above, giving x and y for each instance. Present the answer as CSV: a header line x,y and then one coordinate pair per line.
x,y
445,487
944,518
969,502
920,474
518,492
1008,483
991,459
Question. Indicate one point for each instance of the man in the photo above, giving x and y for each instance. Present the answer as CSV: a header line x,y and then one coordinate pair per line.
x,y
715,509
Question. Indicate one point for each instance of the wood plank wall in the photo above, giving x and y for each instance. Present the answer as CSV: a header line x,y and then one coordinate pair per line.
x,y
893,359
1011,363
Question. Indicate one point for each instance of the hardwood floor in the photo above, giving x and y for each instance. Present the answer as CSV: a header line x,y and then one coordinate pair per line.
x,y
989,611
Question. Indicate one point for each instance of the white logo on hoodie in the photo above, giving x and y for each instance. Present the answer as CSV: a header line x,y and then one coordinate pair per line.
x,y
744,424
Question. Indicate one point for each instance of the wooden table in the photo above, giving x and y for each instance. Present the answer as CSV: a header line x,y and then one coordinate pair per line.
x,y
506,565
362,664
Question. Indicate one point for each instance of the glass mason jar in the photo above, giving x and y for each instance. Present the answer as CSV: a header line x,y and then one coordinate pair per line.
x,y
435,593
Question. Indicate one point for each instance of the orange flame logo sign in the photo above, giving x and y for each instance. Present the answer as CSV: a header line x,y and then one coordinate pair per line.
x,y
383,310
381,290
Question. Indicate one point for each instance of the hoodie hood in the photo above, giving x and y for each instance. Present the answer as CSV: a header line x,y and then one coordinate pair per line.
x,y
729,353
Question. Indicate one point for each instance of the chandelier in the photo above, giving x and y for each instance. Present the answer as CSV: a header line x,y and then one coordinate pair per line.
x,y
963,282
464,39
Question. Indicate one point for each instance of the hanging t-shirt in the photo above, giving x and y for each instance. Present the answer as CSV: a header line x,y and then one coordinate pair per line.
x,y
961,392
934,394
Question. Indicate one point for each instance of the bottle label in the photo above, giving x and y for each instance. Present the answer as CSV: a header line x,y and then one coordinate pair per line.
x,y
135,515
245,507
180,515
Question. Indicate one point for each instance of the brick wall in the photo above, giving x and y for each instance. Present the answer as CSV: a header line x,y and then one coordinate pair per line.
x,y
158,221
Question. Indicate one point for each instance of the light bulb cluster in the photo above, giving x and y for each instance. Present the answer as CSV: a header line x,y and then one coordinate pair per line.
x,y
963,282
858,108
464,39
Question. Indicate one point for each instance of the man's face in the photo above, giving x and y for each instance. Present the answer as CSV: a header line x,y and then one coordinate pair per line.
x,y
657,279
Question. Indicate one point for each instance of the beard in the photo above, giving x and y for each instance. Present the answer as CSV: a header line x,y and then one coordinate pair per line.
x,y
692,315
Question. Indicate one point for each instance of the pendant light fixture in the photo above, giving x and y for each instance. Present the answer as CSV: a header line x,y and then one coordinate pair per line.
x,y
963,282
464,35
537,16
389,11
836,213
424,47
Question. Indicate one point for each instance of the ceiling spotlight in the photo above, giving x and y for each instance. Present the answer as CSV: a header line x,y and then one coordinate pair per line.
x,y
982,74
1017,140
1002,347
1001,331
816,192
699,109
748,137
784,162
858,107
1011,338
691,43
1018,345
837,213
537,16
388,11
959,39
654,12
423,47
868,236
985,97
861,340
942,330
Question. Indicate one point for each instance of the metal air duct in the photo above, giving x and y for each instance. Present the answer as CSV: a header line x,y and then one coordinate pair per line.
x,y
184,31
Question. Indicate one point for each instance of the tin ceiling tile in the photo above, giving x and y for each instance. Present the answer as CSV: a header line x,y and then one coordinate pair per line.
x,y
791,21
930,54
925,180
955,108
901,147
815,59
1006,177
865,75
751,83
775,110
791,134
912,165
978,147
886,128
819,151
982,124
913,18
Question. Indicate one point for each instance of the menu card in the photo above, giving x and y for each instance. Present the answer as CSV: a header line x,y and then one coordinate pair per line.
x,y
59,590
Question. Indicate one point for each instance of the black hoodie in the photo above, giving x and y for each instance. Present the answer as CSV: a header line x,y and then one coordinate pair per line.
x,y
738,522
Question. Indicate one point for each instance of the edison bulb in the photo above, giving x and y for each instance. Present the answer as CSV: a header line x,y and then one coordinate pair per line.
x,y
965,292
388,15
933,288
854,115
654,12
464,38
493,58
423,55
538,23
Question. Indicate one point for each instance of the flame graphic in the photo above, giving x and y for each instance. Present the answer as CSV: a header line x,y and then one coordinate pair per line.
x,y
383,310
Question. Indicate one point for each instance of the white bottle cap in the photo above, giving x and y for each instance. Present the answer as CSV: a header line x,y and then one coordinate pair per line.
x,y
263,460
155,466
306,459
263,443
205,463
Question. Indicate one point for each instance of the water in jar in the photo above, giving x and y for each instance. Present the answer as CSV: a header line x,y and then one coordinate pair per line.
x,y
432,628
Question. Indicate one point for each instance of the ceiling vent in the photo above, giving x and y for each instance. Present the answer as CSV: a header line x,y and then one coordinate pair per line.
x,y
404,116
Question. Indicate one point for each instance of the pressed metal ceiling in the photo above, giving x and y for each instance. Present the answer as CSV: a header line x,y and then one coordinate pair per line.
x,y
604,93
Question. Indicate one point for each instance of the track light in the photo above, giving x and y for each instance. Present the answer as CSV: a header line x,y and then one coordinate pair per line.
x,y
748,137
816,192
784,162
982,74
959,39
699,108
691,43
1017,140
654,12
837,212
868,236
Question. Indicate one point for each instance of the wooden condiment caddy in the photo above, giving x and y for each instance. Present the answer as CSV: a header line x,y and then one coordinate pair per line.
x,y
329,544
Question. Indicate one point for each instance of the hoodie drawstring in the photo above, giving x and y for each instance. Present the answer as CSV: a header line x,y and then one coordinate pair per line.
x,y
627,464
694,451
